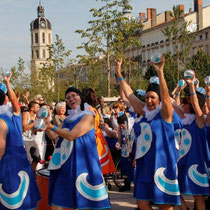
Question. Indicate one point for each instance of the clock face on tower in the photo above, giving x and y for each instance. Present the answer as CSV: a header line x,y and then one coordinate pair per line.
x,y
43,25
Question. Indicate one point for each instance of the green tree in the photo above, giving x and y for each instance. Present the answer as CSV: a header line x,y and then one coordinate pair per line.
x,y
110,34
200,63
49,82
178,35
20,77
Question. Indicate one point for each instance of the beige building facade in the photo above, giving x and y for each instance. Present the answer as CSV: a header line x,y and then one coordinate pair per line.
x,y
153,40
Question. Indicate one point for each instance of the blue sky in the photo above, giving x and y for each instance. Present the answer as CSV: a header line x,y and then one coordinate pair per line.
x,y
66,16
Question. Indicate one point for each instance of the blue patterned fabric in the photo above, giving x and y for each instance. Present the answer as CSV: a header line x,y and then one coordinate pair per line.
x,y
19,189
208,151
156,169
192,176
78,182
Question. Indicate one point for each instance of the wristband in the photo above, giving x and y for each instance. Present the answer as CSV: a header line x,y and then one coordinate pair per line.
x,y
192,93
120,79
207,96
54,128
177,94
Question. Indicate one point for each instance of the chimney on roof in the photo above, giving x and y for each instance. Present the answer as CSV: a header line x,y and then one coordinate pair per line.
x,y
198,7
149,14
153,17
181,8
142,17
168,16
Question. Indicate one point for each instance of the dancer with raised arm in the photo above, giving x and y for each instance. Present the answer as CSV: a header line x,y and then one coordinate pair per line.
x,y
18,185
156,170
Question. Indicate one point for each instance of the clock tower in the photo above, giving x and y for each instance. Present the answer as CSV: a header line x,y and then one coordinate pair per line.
x,y
41,39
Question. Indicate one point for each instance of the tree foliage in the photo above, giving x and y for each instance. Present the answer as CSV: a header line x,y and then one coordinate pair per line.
x,y
178,36
109,36
200,63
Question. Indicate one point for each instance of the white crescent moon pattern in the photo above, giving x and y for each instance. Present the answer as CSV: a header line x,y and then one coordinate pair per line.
x,y
144,140
170,187
61,154
198,178
90,192
15,199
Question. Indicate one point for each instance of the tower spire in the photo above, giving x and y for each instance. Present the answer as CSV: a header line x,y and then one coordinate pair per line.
x,y
40,10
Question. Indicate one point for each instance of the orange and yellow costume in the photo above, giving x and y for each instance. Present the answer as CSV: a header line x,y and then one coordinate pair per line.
x,y
105,157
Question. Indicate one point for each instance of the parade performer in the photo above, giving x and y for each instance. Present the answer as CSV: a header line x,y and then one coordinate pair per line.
x,y
76,180
156,169
105,157
192,167
123,144
18,188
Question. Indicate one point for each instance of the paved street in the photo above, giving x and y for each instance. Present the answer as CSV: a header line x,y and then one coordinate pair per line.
x,y
125,200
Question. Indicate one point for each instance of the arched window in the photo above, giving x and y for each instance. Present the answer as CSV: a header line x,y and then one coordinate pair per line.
x,y
43,37
36,38
43,54
37,53
49,38
32,41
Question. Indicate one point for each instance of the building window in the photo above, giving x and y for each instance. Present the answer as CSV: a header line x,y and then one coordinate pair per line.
x,y
32,41
207,35
36,38
200,37
43,37
44,55
32,54
37,53
49,38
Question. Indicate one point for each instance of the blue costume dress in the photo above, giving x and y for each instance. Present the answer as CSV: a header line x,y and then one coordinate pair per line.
x,y
76,179
192,168
156,169
18,188
208,150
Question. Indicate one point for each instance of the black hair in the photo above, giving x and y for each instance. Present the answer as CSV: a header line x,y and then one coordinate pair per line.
x,y
201,99
90,97
2,97
23,109
31,104
186,101
122,119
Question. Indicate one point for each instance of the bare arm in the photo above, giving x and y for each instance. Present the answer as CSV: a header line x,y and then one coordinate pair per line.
x,y
207,88
125,100
3,135
167,109
82,127
194,101
12,96
110,133
177,108
137,104
25,124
